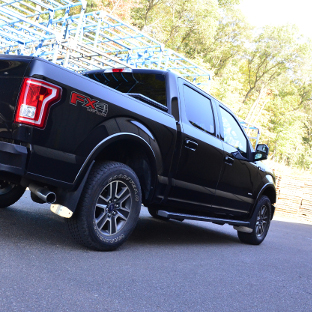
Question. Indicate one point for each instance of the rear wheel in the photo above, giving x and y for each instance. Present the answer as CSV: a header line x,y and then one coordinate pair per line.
x,y
262,224
109,207
10,193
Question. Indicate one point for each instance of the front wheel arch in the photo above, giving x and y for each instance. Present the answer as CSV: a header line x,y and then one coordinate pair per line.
x,y
269,191
259,224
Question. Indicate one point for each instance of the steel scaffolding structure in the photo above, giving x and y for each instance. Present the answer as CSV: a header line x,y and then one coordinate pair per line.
x,y
61,31
25,26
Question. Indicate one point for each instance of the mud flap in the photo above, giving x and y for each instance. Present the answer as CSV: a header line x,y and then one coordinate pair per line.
x,y
67,201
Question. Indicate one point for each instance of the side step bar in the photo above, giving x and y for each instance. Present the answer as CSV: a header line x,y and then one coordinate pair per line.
x,y
182,216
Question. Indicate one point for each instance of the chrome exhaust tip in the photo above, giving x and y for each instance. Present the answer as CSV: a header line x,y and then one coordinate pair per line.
x,y
43,193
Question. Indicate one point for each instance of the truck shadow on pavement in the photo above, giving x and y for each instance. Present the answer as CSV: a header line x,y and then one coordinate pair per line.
x,y
35,224
151,231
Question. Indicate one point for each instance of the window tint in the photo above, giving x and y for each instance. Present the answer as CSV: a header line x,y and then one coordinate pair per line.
x,y
198,110
152,86
233,134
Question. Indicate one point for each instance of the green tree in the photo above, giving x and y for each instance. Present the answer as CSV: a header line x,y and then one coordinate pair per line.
x,y
178,23
228,44
120,8
264,75
273,52
287,121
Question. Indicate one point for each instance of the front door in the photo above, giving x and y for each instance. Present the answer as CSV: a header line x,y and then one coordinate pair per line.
x,y
236,191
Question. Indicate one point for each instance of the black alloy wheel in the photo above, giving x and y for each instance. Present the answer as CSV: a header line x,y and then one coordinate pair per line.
x,y
112,208
262,224
109,207
263,220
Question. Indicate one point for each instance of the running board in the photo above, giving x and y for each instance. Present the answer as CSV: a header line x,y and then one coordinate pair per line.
x,y
182,216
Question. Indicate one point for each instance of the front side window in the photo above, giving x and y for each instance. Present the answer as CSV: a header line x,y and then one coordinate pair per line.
x,y
198,110
233,134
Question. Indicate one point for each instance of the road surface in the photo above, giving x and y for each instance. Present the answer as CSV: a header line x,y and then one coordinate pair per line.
x,y
165,266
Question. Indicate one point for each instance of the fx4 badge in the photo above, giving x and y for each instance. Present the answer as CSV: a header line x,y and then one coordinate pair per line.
x,y
92,105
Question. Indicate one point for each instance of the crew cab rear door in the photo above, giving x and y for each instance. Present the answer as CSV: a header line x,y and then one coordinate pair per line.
x,y
201,155
240,178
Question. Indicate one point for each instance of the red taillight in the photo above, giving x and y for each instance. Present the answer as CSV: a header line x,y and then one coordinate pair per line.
x,y
35,100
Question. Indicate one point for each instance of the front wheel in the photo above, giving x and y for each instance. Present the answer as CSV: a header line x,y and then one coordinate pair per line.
x,y
10,193
262,224
109,207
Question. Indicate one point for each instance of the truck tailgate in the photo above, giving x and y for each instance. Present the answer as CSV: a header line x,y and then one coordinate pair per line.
x,y
12,70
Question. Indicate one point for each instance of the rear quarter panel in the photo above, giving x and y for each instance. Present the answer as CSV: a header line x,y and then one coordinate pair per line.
x,y
74,130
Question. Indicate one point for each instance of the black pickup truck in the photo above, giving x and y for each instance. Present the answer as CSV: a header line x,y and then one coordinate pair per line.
x,y
99,145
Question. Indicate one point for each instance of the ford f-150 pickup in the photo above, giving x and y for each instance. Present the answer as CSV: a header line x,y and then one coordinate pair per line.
x,y
98,145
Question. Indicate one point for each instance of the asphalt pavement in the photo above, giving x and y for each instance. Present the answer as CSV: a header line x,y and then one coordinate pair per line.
x,y
164,266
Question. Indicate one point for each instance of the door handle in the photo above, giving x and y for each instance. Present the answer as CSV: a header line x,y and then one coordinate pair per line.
x,y
228,160
192,145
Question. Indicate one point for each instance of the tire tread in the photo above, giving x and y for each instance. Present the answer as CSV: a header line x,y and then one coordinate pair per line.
x,y
251,238
77,224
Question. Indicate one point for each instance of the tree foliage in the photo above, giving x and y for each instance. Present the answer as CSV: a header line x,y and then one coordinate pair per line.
x,y
178,23
264,75
272,53
120,8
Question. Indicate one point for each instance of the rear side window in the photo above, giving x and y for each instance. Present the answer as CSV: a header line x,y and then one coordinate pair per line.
x,y
152,86
198,110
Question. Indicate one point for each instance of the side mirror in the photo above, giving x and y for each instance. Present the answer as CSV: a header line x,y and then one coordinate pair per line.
x,y
261,153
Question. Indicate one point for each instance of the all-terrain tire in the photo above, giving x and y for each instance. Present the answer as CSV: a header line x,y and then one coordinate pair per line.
x,y
10,193
109,207
262,224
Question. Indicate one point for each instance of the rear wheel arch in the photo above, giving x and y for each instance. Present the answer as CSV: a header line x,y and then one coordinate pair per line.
x,y
135,152
10,193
